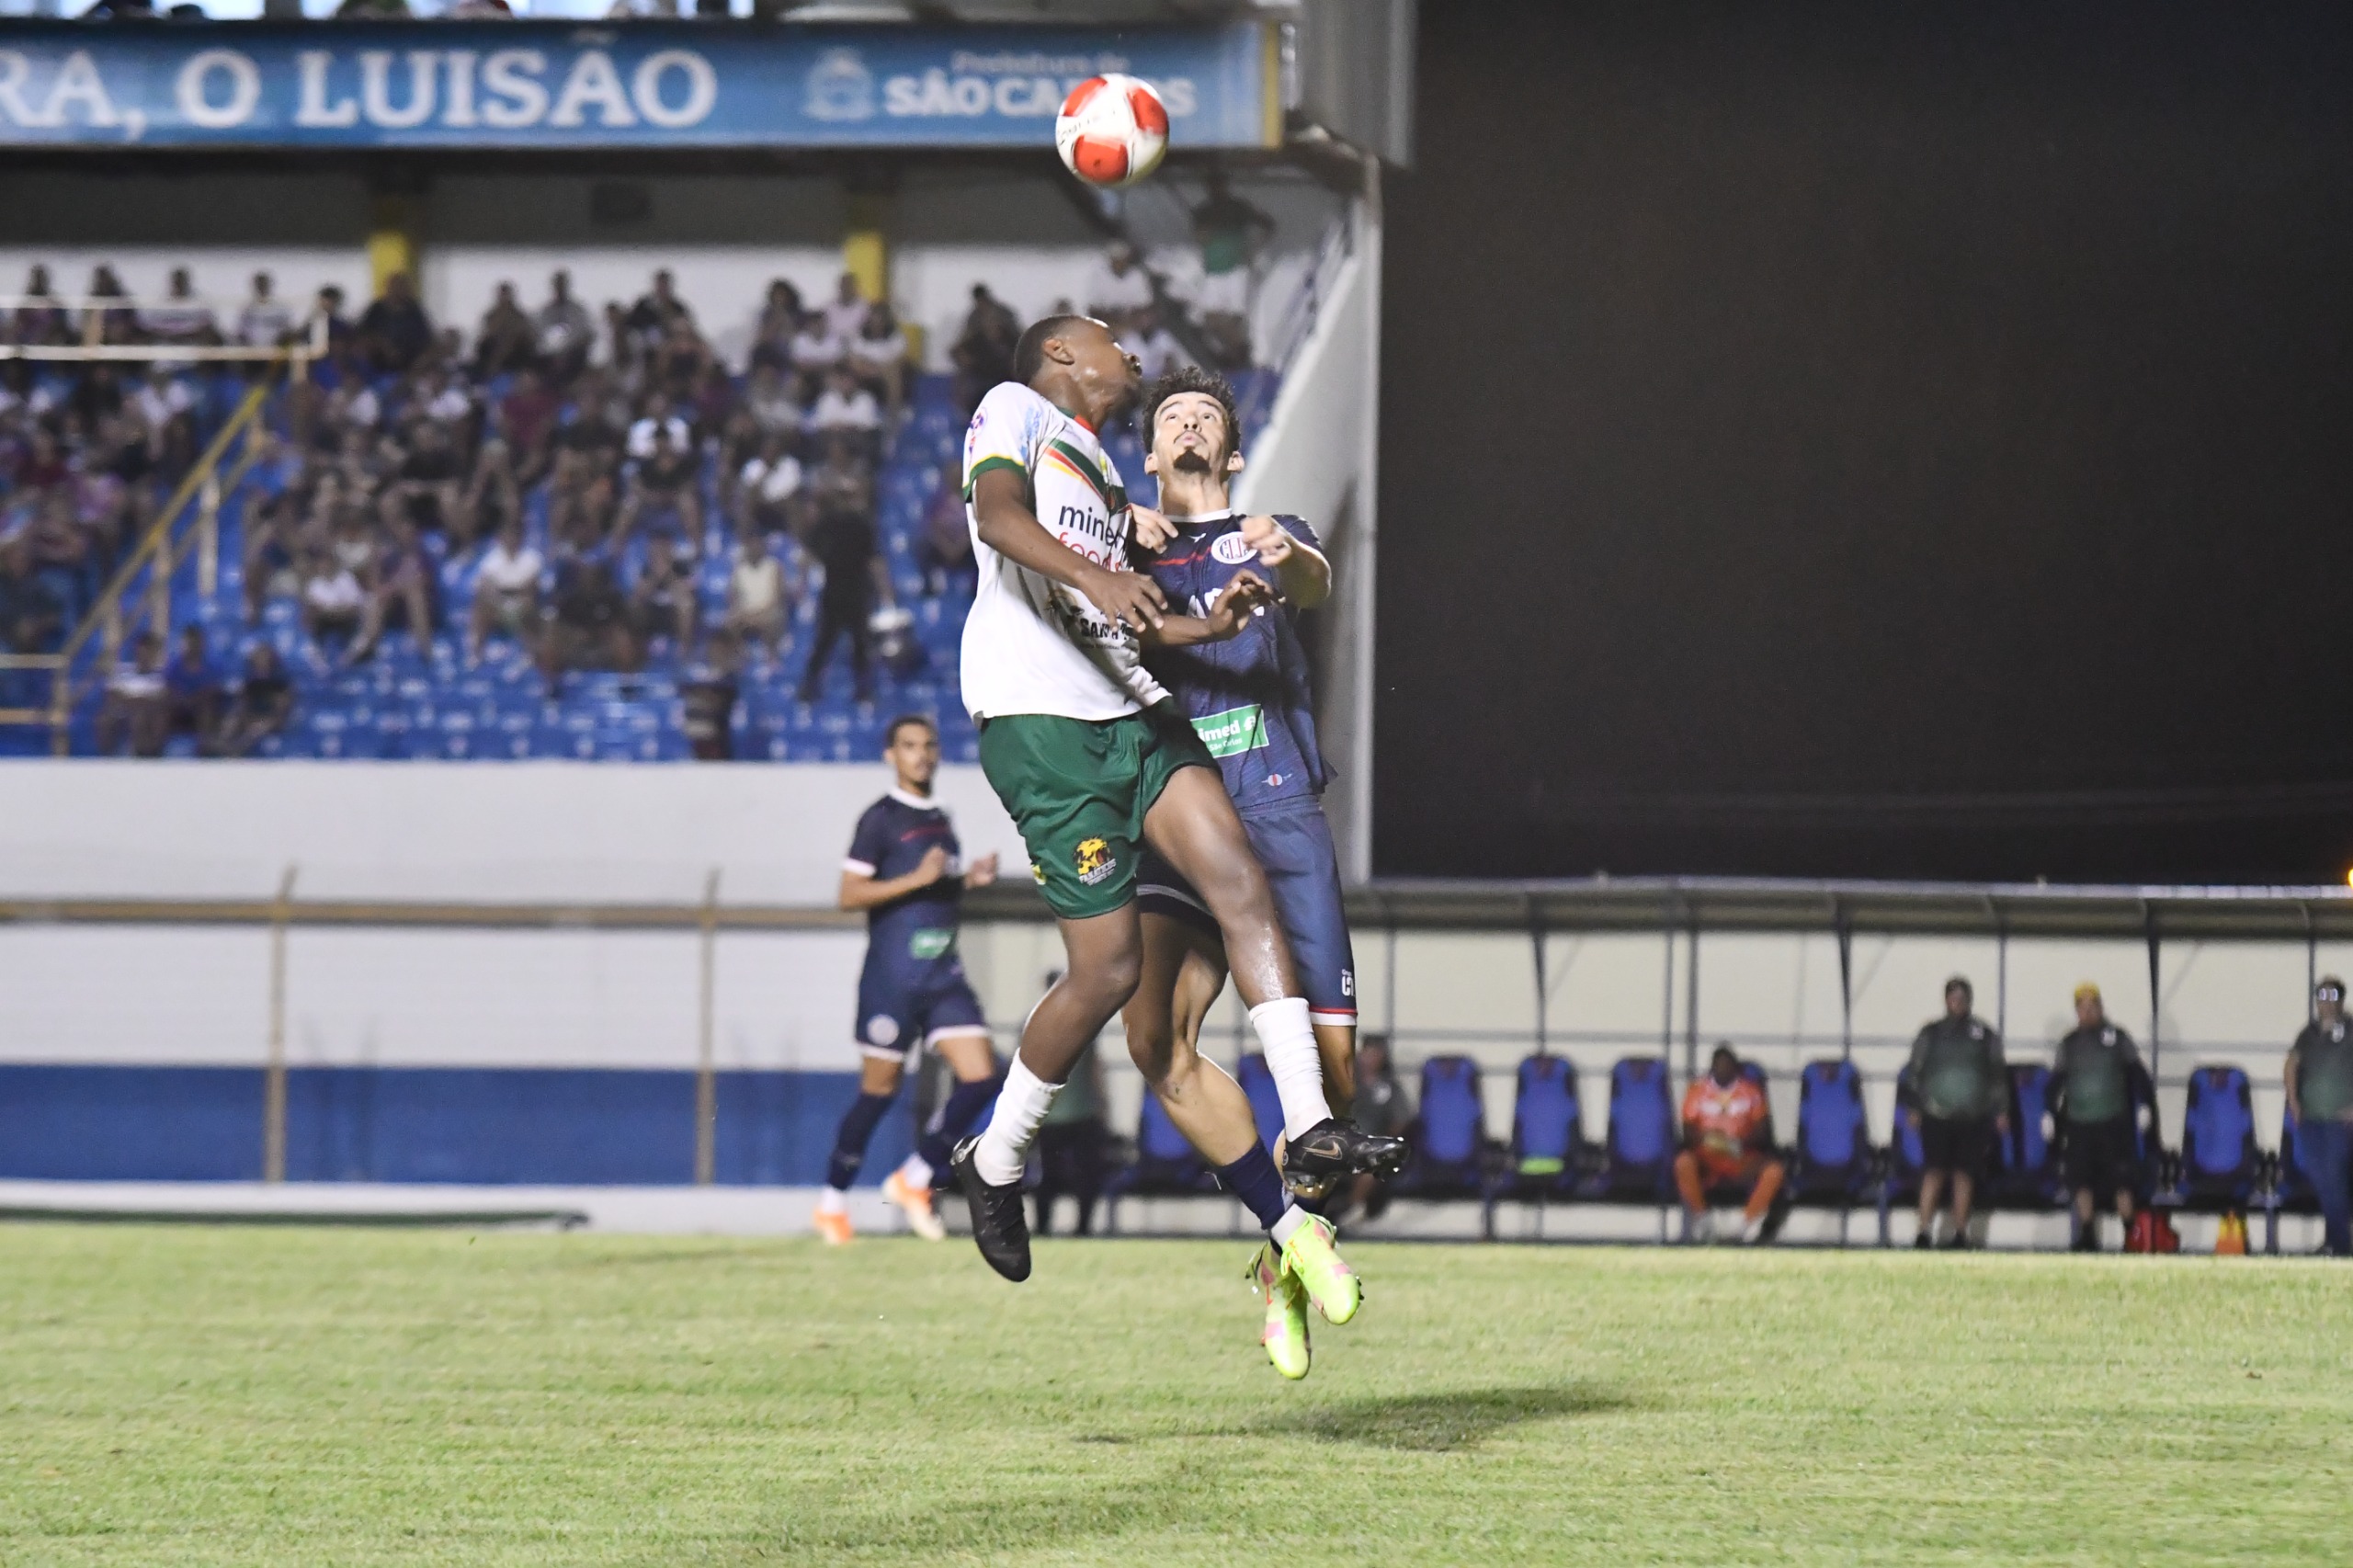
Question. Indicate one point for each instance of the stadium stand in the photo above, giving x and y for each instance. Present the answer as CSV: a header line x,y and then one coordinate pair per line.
x,y
635,475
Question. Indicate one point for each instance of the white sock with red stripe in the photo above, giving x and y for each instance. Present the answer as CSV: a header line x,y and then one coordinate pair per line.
x,y
1289,1039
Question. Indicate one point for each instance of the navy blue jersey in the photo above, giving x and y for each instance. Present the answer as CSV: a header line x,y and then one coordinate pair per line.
x,y
1248,697
908,935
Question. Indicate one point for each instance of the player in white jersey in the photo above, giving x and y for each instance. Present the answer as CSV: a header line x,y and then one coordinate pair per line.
x,y
1092,760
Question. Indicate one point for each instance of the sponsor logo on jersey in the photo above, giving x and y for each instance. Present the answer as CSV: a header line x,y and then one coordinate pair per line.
x,y
931,942
1233,732
1232,549
1094,860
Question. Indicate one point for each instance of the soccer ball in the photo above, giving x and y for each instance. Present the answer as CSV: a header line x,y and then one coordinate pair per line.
x,y
1113,130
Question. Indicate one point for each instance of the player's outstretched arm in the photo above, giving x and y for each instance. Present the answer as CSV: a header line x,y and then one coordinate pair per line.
x,y
1246,595
1002,517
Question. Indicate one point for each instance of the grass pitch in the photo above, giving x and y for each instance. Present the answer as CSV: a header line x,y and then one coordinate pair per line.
x,y
316,1396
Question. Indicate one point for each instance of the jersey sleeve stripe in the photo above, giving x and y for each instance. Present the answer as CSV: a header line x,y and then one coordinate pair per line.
x,y
862,868
985,464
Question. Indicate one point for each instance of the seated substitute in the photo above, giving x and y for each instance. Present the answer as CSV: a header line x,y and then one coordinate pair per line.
x,y
1724,1119
2091,1086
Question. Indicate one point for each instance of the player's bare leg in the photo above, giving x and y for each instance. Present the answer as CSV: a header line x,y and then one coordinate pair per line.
x,y
1162,1023
1106,959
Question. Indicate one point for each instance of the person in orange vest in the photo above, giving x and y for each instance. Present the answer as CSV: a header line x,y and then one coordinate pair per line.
x,y
1724,1117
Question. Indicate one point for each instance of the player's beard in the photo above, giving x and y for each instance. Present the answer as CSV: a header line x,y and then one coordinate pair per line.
x,y
1192,460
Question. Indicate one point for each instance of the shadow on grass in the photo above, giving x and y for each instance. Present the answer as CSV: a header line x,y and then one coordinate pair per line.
x,y
1436,1423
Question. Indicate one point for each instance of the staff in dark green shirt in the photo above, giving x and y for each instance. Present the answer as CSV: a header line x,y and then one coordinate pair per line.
x,y
1957,1093
2092,1098
2320,1102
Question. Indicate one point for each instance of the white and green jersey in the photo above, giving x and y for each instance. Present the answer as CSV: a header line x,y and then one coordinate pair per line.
x,y
1030,645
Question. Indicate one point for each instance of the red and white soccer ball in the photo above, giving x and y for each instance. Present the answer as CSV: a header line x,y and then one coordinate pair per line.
x,y
1113,130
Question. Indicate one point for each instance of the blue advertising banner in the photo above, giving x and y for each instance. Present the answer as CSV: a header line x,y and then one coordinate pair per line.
x,y
521,84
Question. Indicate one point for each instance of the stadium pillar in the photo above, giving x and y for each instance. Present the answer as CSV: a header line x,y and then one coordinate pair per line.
x,y
273,1110
393,222
865,250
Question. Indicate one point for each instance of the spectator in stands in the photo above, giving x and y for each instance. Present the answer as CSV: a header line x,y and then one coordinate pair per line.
x,y
507,340
37,320
2091,1086
659,418
31,619
759,597
400,590
657,310
1073,1146
1154,347
845,313
768,400
137,706
1119,287
493,495
180,319
582,498
846,408
506,590
1957,1097
332,599
1725,1120
428,488
665,486
1230,232
265,702
945,554
842,539
779,319
116,326
266,321
983,354
2320,1102
271,529
394,332
816,351
707,699
625,353
527,417
341,335
878,356
192,687
588,625
765,488
663,601
566,331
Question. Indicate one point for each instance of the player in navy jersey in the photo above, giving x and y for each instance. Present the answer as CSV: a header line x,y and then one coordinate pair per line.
x,y
1249,702
904,869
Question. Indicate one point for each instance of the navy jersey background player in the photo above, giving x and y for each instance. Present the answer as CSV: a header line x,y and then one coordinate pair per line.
x,y
1249,699
905,868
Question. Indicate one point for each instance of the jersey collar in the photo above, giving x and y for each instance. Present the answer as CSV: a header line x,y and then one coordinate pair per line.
x,y
1201,519
908,798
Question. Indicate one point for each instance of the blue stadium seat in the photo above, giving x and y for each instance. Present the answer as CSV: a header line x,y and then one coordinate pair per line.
x,y
2222,1166
1165,1164
2026,1172
1548,1145
1833,1163
1448,1137
1257,1081
1638,1159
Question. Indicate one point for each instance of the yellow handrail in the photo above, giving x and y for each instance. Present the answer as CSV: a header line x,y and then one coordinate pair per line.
x,y
154,544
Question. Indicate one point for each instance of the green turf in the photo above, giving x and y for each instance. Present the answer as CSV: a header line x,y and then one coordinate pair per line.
x,y
317,1397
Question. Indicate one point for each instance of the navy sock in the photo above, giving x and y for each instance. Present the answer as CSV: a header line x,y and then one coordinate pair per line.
x,y
963,1107
1254,1179
859,1122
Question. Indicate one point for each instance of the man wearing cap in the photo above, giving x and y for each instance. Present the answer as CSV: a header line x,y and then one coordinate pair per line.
x,y
1957,1093
2320,1102
2091,1086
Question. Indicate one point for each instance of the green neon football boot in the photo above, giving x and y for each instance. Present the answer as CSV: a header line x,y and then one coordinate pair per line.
x,y
1311,1259
1284,1337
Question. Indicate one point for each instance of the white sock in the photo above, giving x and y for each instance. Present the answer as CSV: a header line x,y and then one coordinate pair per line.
x,y
833,1200
1021,1107
915,1171
1282,1229
1289,1039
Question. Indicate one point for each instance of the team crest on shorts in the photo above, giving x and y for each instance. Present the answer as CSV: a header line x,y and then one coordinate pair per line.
x,y
1095,860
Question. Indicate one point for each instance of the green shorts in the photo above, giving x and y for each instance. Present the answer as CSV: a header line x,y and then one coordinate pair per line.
x,y
1078,789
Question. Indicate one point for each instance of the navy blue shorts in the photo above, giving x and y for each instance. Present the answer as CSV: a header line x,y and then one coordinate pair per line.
x,y
898,1015
1294,842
